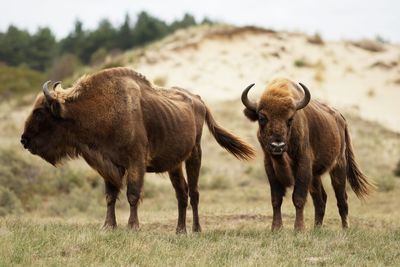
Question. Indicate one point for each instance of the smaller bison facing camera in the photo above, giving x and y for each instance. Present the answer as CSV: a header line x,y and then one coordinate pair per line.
x,y
123,126
302,139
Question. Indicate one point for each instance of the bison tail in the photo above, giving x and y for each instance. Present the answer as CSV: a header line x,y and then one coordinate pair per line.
x,y
227,140
358,181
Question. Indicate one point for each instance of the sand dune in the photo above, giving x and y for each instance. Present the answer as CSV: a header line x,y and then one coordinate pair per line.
x,y
218,62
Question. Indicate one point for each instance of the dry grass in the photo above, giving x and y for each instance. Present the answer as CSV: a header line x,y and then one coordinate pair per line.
x,y
62,224
160,81
315,39
369,45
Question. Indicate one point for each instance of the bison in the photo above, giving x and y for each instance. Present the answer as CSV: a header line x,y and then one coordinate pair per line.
x,y
302,139
123,126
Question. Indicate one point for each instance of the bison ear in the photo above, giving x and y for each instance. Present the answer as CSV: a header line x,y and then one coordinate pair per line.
x,y
250,114
55,108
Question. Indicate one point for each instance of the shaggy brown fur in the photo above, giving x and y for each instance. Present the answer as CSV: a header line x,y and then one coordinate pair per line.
x,y
123,127
316,141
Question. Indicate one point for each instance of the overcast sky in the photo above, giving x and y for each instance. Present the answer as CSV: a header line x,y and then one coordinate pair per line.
x,y
334,19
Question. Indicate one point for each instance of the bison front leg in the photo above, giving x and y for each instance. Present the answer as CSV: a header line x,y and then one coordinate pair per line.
x,y
301,188
277,193
111,197
134,188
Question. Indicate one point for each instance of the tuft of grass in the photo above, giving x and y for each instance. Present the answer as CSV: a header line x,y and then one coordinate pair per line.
x,y
349,69
315,39
319,76
160,81
371,92
386,184
300,63
369,45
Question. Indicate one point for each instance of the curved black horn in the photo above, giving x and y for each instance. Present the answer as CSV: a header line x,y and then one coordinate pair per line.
x,y
306,99
46,92
245,100
55,84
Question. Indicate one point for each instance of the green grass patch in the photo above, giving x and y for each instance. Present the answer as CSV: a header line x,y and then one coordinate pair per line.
x,y
38,243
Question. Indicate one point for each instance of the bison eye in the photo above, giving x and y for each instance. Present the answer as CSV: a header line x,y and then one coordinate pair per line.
x,y
39,115
262,120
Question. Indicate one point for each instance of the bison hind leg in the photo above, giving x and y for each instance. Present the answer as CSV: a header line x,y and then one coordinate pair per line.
x,y
181,190
193,164
319,197
338,178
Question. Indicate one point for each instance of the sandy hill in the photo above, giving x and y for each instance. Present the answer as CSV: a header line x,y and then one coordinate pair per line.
x,y
218,62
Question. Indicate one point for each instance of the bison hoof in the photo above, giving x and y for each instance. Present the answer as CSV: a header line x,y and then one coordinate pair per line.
x,y
133,226
181,231
276,228
299,228
196,229
109,226
276,225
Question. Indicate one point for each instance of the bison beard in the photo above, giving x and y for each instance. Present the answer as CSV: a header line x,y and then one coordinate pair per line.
x,y
123,126
313,139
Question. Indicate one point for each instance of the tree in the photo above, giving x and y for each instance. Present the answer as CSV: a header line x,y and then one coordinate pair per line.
x,y
105,36
148,28
125,38
42,49
74,42
187,21
14,45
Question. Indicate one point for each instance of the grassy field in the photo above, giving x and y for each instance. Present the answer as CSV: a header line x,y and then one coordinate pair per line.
x,y
60,211
44,243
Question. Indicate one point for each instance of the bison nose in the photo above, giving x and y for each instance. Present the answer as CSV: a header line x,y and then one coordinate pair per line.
x,y
277,148
24,141
277,145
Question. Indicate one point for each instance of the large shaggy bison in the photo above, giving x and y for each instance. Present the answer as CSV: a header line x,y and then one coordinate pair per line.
x,y
302,139
123,126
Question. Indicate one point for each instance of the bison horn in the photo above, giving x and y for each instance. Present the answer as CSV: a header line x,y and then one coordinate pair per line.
x,y
245,100
46,92
55,84
306,99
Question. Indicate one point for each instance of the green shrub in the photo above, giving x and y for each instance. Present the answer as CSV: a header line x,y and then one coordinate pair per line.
x,y
160,81
300,63
386,184
64,67
152,189
9,202
19,80
315,39
112,64
28,179
98,57
215,183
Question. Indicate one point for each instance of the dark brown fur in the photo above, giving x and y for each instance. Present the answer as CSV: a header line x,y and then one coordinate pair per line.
x,y
123,127
318,141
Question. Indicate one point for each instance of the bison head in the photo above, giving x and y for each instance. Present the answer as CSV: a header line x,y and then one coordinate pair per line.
x,y
45,128
275,113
